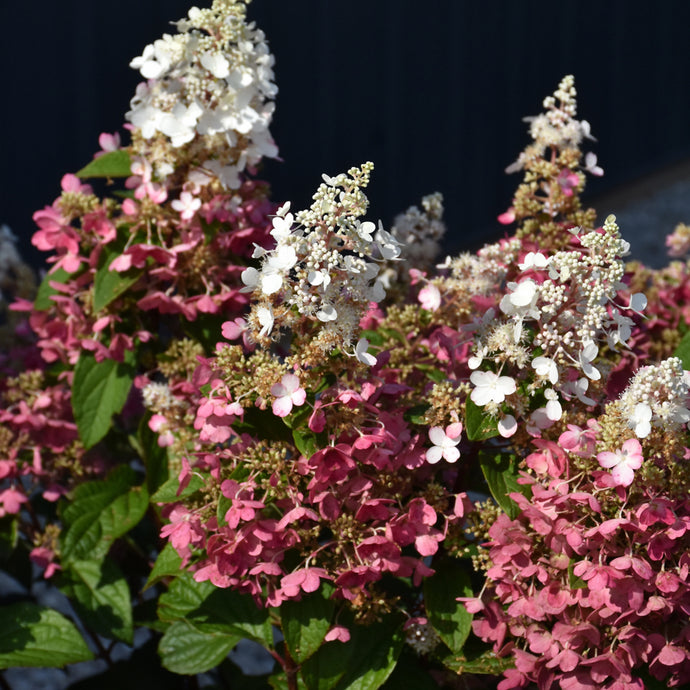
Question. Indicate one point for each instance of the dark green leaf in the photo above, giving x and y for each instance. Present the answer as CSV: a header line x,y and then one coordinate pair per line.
x,y
305,441
101,598
305,623
100,512
417,413
487,664
186,649
409,673
501,473
32,635
43,300
211,608
99,391
111,164
478,424
449,617
683,350
155,457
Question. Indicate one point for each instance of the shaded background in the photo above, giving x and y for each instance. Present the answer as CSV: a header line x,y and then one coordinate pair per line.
x,y
433,93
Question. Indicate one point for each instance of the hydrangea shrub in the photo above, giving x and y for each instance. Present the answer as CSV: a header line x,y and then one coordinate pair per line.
x,y
224,420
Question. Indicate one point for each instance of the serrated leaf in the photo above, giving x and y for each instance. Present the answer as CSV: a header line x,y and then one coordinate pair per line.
x,y
109,285
167,565
99,513
305,623
501,472
215,609
111,164
187,650
449,617
478,424
101,598
43,300
683,350
99,391
33,635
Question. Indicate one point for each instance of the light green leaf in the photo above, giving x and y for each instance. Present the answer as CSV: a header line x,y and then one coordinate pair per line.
x,y
305,441
99,391
478,424
167,493
111,164
305,623
501,472
683,351
486,663
167,565
100,512
32,635
186,649
449,617
101,598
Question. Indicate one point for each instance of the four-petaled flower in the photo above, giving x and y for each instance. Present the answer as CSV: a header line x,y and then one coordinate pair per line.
x,y
288,392
445,443
490,387
623,462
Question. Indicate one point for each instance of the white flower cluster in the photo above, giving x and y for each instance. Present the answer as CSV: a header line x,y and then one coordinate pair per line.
x,y
324,265
657,396
213,79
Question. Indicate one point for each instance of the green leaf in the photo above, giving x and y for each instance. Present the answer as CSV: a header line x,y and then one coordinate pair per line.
x,y
111,164
109,285
374,337
487,663
449,617
167,493
305,623
305,441
154,457
32,635
478,424
363,663
683,350
167,565
187,650
101,598
501,473
417,413
210,608
43,300
100,512
409,673
99,391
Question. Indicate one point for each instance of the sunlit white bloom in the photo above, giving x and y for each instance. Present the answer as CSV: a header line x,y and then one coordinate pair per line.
x,y
445,443
362,354
365,230
589,353
553,408
591,165
475,361
535,260
387,245
638,302
327,313
216,64
640,420
187,205
490,387
265,317
546,367
430,297
319,278
282,226
507,426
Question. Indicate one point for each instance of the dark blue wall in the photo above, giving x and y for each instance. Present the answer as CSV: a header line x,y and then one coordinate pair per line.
x,y
433,92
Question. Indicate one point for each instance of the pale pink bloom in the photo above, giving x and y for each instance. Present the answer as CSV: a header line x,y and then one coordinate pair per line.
x,y
337,632
623,462
430,297
507,426
187,205
288,393
445,443
568,181
507,217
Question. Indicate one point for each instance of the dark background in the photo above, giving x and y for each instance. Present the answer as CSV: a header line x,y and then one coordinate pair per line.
x,y
432,92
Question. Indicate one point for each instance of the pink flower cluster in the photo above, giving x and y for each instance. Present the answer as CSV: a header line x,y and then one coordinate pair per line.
x,y
590,584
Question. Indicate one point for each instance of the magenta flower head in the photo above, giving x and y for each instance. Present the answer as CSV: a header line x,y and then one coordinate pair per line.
x,y
623,462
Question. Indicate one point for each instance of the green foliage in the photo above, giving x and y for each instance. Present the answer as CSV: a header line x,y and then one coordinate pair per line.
x,y
109,285
167,565
111,164
43,300
501,472
449,617
101,597
99,513
683,350
305,623
478,424
99,391
486,663
33,635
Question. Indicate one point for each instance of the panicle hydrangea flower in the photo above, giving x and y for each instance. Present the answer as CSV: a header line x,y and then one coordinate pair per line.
x,y
212,80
